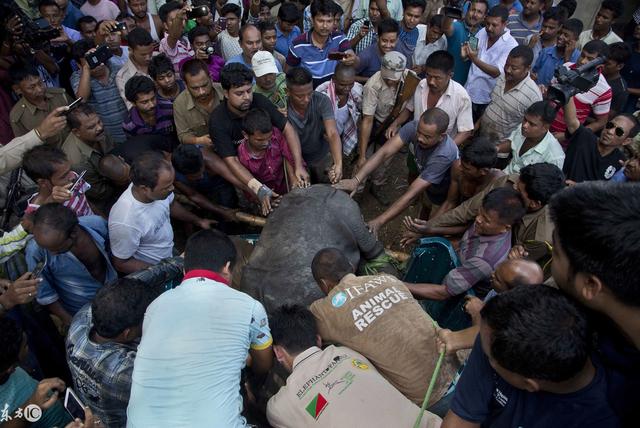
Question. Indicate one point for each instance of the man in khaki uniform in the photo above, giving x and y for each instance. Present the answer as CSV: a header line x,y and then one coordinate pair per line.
x,y
36,103
192,107
378,317
334,387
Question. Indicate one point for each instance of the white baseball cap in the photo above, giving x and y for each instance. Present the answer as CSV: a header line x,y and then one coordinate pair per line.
x,y
263,63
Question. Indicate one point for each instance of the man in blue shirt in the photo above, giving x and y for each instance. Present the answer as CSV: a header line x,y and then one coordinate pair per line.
x,y
286,29
459,32
595,246
408,35
434,153
250,42
75,255
527,22
371,57
553,56
531,366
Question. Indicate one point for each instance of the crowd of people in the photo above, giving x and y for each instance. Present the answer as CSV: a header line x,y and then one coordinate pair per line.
x,y
144,142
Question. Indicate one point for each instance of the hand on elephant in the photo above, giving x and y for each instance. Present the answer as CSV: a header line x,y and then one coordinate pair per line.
x,y
374,226
349,185
269,203
302,175
416,225
335,174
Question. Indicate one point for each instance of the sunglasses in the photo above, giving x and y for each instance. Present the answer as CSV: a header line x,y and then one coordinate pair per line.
x,y
619,131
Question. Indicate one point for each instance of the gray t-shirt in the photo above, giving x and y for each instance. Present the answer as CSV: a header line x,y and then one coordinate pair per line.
x,y
434,164
310,128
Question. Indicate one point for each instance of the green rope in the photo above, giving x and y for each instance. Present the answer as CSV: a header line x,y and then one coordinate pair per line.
x,y
432,383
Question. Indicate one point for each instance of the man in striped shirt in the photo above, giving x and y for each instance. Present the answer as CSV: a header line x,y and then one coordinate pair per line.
x,y
148,114
527,22
312,50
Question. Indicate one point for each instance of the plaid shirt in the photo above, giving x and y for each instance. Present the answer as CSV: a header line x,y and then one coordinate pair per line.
x,y
101,372
349,134
479,256
366,41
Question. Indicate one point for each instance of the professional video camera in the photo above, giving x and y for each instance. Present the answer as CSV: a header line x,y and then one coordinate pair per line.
x,y
570,82
35,32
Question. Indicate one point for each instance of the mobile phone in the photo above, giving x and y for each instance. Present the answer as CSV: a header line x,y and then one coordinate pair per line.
x,y
366,23
198,12
120,26
78,180
100,56
37,271
73,105
337,56
222,22
473,43
73,405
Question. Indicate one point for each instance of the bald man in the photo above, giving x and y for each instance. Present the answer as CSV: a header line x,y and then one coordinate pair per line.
x,y
509,274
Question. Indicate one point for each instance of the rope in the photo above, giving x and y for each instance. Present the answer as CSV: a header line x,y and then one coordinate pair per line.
x,y
432,383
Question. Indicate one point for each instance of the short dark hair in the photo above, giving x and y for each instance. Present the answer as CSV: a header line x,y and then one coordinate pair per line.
x,y
336,9
257,119
330,263
499,11
81,47
544,110
481,152
193,67
523,52
119,306
558,14
160,64
344,70
20,70
42,3
485,2
574,26
198,31
231,8
146,167
635,129
187,159
298,76
619,52
615,6
294,328
209,249
597,225
39,162
440,60
422,4
322,7
597,47
537,332
266,26
139,37
87,19
388,25
235,75
167,8
73,117
245,28
138,85
507,203
289,12
436,21
568,5
542,181
10,343
436,116
57,217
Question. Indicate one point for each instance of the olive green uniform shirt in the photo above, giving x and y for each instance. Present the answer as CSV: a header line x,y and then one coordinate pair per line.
x,y
25,116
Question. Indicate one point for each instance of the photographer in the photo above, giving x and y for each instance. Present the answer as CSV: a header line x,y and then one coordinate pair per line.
x,y
98,88
200,39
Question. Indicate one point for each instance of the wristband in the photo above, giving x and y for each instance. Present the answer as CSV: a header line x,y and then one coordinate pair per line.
x,y
264,192
355,177
254,185
38,134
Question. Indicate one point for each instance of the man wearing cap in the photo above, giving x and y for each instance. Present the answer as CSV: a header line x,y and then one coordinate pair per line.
x,y
378,99
251,43
269,81
434,152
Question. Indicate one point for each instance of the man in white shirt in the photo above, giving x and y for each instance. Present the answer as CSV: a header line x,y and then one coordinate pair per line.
x,y
609,11
532,142
431,39
196,339
494,44
438,89
139,227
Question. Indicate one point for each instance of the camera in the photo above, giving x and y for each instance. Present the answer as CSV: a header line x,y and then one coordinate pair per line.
x,y
209,50
198,12
35,32
570,82
100,56
119,27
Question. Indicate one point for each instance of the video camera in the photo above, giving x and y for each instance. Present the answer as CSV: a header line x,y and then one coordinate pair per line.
x,y
35,32
570,82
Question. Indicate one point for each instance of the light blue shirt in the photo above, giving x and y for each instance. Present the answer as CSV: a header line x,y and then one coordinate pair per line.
x,y
195,341
283,41
65,278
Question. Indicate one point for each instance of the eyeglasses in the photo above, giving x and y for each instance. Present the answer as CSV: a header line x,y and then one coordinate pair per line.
x,y
619,131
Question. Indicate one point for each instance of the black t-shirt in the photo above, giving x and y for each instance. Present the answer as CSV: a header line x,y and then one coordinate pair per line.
x,y
619,94
482,396
225,127
584,162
